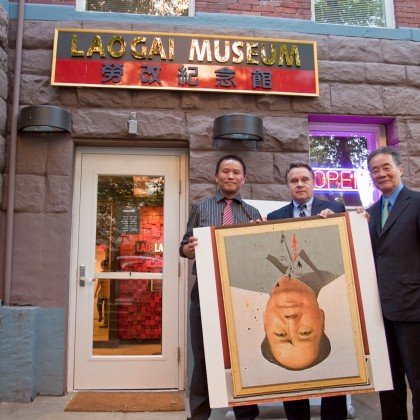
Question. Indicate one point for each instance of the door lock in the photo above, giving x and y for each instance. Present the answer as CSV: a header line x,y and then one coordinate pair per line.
x,y
82,276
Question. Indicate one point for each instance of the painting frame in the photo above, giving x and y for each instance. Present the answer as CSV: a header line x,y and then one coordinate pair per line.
x,y
225,366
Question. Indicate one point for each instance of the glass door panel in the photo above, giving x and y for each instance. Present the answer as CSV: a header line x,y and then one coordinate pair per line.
x,y
127,316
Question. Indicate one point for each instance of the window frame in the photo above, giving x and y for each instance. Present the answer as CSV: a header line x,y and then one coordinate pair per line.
x,y
374,133
389,15
81,7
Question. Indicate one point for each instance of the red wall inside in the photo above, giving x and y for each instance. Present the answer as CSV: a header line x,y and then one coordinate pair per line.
x,y
140,303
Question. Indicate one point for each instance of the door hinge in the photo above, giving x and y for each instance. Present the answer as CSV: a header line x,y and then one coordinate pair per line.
x,y
180,187
179,355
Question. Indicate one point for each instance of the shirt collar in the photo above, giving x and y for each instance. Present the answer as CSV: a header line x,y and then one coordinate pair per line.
x,y
308,203
219,197
393,196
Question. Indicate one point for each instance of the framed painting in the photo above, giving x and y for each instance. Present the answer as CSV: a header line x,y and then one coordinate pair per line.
x,y
290,297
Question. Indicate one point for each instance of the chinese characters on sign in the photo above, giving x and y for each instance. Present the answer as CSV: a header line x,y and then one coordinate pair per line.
x,y
180,61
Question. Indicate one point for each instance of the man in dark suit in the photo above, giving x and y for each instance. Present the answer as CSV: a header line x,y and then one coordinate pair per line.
x,y
300,182
394,227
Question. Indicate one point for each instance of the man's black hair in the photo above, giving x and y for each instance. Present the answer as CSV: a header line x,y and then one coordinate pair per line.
x,y
324,351
230,157
300,164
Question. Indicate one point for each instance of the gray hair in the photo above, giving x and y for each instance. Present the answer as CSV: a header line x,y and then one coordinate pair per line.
x,y
386,150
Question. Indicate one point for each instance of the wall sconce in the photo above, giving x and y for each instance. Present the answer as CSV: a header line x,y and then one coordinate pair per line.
x,y
132,124
238,127
44,119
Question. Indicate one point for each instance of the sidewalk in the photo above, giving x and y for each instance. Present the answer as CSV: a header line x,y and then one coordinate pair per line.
x,y
366,407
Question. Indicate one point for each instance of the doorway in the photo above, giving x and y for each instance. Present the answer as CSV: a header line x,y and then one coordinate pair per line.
x,y
127,321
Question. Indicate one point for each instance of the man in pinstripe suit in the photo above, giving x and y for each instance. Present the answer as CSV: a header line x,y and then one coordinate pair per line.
x,y
230,175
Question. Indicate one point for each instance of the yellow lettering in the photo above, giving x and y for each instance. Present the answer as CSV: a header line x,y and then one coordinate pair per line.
x,y
195,50
171,49
271,60
217,55
141,55
74,52
116,39
158,247
157,49
96,46
250,52
237,50
284,55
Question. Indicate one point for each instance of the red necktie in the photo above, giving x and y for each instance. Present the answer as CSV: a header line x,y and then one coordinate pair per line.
x,y
228,218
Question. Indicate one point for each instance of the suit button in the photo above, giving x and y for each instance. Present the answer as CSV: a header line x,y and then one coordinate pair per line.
x,y
379,257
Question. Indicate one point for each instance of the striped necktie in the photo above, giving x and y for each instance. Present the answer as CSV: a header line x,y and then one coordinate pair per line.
x,y
385,211
228,218
302,208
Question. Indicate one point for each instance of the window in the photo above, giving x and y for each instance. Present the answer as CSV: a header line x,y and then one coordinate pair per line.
x,y
378,13
337,153
142,7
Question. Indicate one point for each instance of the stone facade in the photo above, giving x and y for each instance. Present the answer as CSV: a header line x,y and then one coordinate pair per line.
x,y
358,76
370,77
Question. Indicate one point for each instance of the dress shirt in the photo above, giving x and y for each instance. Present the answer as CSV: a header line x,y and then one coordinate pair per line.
x,y
392,197
210,213
307,211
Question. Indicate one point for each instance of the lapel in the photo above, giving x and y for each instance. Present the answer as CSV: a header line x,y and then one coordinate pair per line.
x,y
400,205
316,207
375,214
289,211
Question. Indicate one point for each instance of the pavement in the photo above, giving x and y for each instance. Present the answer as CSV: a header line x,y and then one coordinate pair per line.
x,y
361,407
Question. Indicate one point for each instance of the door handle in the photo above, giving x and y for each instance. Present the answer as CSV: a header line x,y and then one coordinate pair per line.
x,y
82,276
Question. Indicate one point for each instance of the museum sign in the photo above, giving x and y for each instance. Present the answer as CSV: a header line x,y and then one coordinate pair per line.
x,y
145,60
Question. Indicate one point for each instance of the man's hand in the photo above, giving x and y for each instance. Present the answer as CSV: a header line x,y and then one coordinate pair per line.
x,y
363,212
189,248
324,213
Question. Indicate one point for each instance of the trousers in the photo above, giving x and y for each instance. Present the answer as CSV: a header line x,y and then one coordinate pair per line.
x,y
199,394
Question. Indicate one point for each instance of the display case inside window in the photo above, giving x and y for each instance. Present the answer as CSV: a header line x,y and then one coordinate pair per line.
x,y
338,156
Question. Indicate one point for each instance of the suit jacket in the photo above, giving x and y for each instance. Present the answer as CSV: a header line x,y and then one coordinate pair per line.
x,y
286,212
396,249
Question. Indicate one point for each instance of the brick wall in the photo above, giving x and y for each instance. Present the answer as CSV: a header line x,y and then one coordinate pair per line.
x,y
298,9
407,13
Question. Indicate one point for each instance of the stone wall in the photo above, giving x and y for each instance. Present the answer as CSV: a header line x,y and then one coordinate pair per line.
x,y
358,76
3,93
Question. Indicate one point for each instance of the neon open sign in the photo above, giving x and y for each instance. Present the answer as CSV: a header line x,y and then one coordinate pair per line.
x,y
338,179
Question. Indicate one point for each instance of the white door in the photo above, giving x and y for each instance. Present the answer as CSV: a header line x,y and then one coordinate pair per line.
x,y
126,332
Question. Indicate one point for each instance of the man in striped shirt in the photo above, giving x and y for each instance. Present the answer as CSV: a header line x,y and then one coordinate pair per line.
x,y
225,207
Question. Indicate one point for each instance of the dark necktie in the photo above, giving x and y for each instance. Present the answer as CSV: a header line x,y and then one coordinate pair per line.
x,y
385,211
302,208
228,218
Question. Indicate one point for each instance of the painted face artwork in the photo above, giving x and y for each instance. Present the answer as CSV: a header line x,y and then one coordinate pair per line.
x,y
294,324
